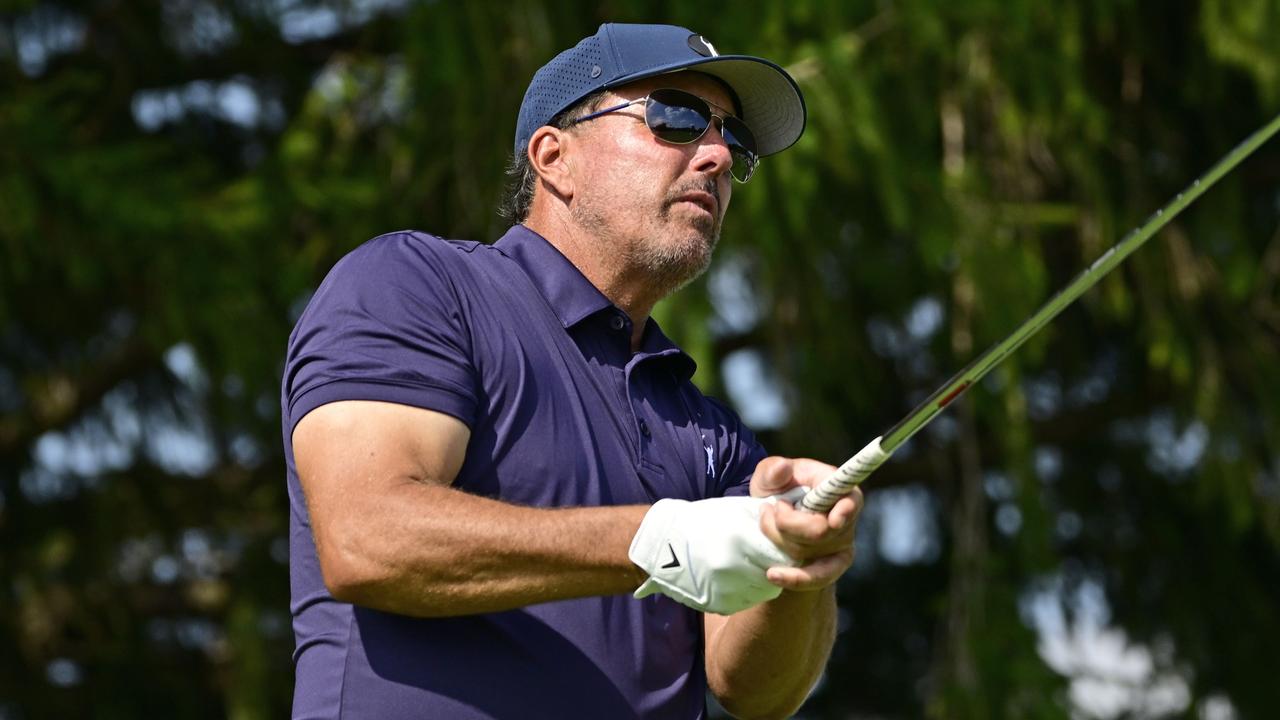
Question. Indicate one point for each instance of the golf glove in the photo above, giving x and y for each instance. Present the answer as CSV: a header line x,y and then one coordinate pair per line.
x,y
709,554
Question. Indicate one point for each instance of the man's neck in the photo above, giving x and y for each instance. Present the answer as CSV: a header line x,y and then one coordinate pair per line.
x,y
600,265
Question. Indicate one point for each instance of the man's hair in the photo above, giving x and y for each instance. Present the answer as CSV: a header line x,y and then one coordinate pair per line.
x,y
521,178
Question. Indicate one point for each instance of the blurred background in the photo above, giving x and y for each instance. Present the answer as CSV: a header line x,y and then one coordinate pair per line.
x,y
1093,532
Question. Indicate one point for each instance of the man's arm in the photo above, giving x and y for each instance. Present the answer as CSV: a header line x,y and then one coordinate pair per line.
x,y
762,662
392,534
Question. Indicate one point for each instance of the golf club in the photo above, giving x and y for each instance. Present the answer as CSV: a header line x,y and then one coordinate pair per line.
x,y
861,465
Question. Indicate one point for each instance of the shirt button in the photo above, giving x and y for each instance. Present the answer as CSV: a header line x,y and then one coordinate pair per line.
x,y
616,322
644,429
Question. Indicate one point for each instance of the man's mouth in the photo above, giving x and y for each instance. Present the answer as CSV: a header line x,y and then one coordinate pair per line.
x,y
704,200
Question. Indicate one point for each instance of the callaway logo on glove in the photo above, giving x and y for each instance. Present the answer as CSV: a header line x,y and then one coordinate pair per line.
x,y
708,554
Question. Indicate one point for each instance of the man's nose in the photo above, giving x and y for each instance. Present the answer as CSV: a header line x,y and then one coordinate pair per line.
x,y
713,154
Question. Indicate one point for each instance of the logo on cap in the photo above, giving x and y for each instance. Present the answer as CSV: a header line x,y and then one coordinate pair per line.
x,y
702,46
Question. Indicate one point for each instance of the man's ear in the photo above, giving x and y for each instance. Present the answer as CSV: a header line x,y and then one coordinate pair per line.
x,y
548,156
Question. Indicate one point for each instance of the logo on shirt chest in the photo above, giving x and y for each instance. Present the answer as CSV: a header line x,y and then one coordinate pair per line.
x,y
711,458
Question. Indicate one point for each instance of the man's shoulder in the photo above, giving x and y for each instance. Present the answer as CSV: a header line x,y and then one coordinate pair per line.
x,y
413,249
411,260
398,273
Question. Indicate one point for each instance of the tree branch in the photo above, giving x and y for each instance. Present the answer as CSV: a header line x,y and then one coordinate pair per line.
x,y
59,397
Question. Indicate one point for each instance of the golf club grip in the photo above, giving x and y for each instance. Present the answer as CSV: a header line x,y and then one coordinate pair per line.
x,y
845,478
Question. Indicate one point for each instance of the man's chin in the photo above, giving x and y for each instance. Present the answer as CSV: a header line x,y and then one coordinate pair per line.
x,y
674,258
687,266
704,232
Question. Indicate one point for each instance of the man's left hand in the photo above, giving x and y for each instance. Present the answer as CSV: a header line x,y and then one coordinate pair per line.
x,y
822,545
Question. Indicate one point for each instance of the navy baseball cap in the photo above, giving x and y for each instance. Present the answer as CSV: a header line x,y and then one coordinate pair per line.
x,y
768,98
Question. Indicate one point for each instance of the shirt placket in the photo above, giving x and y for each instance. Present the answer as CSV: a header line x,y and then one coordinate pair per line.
x,y
662,463
640,424
648,466
641,434
630,389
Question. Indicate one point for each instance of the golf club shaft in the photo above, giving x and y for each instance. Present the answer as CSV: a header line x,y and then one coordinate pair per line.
x,y
858,467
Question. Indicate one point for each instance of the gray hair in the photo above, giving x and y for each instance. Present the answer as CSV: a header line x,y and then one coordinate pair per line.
x,y
521,178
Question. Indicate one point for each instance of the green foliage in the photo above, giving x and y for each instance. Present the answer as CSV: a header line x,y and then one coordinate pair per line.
x,y
156,244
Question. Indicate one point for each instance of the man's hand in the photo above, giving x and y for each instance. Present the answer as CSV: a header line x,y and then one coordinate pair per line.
x,y
822,545
709,555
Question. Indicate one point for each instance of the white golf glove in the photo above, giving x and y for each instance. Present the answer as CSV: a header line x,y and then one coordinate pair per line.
x,y
708,554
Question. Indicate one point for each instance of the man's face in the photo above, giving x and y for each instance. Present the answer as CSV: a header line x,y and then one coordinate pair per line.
x,y
659,205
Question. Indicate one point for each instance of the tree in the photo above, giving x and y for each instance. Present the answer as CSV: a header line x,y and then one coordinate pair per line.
x,y
180,174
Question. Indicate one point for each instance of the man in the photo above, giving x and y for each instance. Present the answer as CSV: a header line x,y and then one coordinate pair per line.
x,y
491,446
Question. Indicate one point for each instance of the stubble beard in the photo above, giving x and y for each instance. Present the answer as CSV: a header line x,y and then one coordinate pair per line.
x,y
669,252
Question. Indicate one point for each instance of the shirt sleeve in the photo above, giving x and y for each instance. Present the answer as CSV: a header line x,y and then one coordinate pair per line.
x,y
386,324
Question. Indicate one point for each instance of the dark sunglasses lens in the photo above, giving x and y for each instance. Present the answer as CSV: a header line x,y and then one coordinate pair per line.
x,y
676,117
680,117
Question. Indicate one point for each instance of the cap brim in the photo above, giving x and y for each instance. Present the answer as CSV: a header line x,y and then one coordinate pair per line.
x,y
772,105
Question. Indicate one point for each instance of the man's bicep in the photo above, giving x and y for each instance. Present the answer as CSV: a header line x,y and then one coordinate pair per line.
x,y
356,459
353,446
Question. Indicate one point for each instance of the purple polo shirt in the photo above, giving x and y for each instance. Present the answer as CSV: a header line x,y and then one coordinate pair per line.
x,y
511,339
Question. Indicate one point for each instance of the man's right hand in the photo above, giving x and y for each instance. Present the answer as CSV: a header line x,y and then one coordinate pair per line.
x,y
709,555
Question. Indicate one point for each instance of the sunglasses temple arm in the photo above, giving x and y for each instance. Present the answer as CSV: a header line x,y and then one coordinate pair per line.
x,y
606,111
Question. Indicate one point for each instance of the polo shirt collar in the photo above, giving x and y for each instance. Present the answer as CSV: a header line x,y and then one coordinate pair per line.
x,y
569,293
573,298
655,343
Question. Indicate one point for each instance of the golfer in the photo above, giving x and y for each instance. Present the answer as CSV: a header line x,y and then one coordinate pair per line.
x,y
507,498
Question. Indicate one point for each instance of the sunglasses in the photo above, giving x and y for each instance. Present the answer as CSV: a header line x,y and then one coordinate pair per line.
x,y
679,117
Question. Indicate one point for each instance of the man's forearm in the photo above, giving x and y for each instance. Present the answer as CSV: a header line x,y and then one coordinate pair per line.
x,y
764,661
432,551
